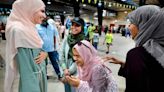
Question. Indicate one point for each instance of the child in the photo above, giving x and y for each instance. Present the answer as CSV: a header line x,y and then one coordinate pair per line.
x,y
95,38
108,40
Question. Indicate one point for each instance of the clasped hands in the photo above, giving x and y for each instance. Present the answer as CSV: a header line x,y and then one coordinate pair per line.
x,y
72,80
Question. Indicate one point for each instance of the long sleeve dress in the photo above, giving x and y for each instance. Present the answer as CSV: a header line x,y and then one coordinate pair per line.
x,y
102,80
143,73
32,76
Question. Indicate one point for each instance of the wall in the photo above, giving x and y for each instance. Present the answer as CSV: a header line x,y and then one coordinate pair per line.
x,y
120,19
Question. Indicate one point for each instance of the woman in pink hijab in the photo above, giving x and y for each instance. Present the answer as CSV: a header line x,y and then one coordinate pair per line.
x,y
23,47
93,76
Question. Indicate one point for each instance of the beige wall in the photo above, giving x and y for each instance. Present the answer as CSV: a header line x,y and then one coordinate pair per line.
x,y
119,19
121,16
106,21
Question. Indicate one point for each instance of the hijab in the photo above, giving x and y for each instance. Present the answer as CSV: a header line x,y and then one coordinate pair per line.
x,y
91,59
149,20
20,32
73,39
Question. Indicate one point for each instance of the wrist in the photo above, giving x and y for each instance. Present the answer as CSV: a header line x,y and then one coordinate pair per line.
x,y
122,64
78,83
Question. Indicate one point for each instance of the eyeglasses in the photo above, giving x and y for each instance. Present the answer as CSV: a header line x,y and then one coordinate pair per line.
x,y
80,43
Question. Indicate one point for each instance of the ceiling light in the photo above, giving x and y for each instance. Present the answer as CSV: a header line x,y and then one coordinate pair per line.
x,y
125,12
84,5
99,4
110,5
48,2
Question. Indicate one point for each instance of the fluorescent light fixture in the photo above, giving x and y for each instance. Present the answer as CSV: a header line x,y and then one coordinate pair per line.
x,y
125,12
48,2
84,5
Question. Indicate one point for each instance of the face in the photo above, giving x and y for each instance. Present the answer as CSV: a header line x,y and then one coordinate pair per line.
x,y
133,30
76,29
79,61
39,16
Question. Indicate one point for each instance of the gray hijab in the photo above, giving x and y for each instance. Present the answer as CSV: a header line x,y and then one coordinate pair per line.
x,y
150,22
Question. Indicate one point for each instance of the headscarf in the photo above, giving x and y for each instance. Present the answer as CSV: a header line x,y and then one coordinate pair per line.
x,y
20,32
68,23
91,59
149,20
75,38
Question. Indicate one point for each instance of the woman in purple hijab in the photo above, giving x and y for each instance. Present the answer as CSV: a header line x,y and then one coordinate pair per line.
x,y
93,76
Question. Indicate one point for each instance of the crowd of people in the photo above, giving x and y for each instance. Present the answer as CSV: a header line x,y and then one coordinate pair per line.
x,y
32,39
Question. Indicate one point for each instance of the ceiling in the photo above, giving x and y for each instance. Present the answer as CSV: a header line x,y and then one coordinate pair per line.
x,y
110,5
116,5
90,8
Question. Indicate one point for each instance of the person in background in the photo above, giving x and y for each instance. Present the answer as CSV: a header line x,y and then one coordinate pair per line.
x,y
108,40
127,32
57,40
23,47
85,30
91,29
96,38
66,56
144,66
2,30
67,24
106,29
93,75
48,32
62,30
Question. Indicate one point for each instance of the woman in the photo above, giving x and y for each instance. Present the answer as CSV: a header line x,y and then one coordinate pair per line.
x,y
66,56
23,47
144,66
93,76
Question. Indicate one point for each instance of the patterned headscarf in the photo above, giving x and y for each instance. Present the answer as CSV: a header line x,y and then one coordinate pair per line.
x,y
149,20
91,59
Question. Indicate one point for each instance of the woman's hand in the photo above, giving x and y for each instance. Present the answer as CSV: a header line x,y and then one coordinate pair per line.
x,y
112,59
73,81
63,80
41,57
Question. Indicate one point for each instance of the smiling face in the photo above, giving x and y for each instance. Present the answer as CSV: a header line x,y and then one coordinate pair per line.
x,y
39,16
76,29
76,56
133,30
